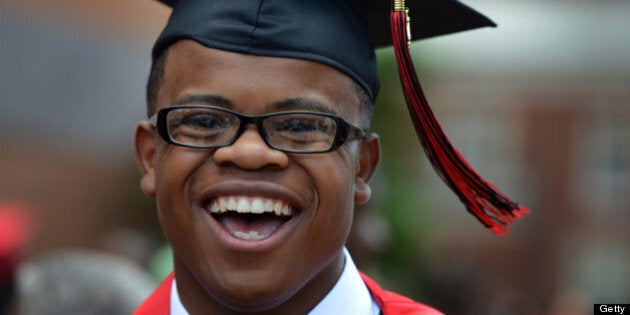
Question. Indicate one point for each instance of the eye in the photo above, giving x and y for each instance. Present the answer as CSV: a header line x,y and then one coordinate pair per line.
x,y
204,121
301,132
304,124
201,126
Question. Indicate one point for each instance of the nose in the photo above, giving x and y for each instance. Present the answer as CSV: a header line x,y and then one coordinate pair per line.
x,y
250,152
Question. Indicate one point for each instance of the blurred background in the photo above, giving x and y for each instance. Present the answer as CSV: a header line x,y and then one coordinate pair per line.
x,y
540,106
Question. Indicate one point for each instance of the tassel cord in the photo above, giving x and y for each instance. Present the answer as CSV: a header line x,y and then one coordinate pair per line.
x,y
492,208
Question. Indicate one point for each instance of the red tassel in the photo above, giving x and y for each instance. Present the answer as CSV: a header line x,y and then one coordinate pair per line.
x,y
481,198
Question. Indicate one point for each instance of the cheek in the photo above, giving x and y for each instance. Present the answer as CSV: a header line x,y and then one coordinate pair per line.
x,y
334,183
176,168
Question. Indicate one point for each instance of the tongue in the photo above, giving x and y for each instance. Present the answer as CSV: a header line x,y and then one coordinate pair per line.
x,y
251,227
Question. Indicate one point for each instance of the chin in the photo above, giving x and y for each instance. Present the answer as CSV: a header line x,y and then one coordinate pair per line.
x,y
249,298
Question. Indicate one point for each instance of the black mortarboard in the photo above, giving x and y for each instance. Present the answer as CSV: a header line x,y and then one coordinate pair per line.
x,y
343,34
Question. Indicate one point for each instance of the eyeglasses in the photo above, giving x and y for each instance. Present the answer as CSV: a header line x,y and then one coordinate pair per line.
x,y
198,126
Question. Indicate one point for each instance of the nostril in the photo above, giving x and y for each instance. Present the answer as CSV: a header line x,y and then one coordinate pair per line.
x,y
250,151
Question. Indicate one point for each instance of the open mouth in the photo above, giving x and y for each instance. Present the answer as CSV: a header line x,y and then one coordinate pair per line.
x,y
250,218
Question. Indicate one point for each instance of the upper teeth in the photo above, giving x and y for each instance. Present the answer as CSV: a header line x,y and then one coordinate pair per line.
x,y
243,204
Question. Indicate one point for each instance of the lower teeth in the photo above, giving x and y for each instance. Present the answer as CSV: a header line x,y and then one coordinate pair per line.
x,y
251,236
250,227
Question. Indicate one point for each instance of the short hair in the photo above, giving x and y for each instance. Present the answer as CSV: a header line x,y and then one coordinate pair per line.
x,y
156,78
154,83
81,282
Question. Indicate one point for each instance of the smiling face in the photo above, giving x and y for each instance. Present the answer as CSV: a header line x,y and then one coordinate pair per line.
x,y
285,259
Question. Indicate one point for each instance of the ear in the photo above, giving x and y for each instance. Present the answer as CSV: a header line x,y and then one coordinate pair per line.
x,y
145,153
369,157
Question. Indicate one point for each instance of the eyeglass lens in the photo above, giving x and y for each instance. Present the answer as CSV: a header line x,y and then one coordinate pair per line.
x,y
208,127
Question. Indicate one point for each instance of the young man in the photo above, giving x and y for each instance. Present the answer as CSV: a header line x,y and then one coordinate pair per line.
x,y
257,152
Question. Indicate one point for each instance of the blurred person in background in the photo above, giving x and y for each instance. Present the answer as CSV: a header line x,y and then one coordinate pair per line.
x,y
80,282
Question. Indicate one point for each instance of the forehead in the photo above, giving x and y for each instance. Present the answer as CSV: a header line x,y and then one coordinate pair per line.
x,y
253,83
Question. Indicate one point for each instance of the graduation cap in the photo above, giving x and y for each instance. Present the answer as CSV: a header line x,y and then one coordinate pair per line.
x,y
343,34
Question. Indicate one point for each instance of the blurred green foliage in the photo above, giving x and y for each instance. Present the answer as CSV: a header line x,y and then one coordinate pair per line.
x,y
398,189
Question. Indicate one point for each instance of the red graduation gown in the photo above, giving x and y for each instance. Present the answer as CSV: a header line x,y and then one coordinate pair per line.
x,y
389,302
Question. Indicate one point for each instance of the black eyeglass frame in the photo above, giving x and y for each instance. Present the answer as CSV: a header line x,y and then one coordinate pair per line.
x,y
345,131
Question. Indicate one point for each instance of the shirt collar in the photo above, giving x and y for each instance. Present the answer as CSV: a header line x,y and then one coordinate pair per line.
x,y
348,296
176,304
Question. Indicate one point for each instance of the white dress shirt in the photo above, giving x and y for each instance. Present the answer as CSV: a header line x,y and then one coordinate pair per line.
x,y
348,296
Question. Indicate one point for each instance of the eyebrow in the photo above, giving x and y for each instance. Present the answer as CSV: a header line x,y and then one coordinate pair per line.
x,y
205,99
298,103
307,104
